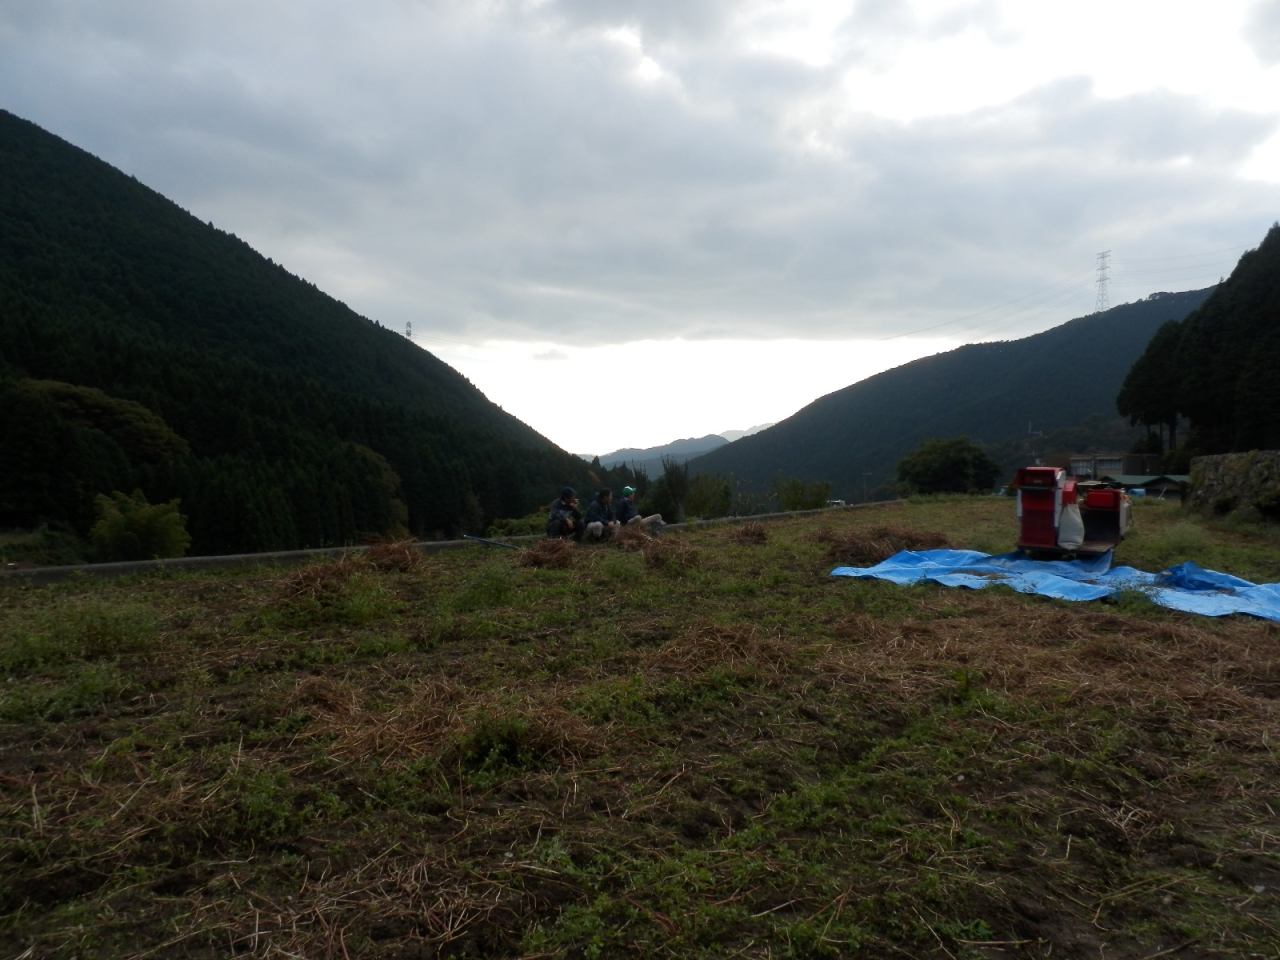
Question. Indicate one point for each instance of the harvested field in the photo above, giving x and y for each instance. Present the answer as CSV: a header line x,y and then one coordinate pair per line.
x,y
700,746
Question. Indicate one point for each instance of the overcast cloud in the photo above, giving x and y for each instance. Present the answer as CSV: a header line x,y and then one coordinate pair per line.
x,y
569,174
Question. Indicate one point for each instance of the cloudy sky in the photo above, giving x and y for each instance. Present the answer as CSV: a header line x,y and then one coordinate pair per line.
x,y
631,222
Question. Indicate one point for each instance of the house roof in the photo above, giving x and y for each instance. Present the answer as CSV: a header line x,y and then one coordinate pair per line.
x,y
1139,480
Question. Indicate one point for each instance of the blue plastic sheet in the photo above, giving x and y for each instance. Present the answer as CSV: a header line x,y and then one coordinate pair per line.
x,y
1185,587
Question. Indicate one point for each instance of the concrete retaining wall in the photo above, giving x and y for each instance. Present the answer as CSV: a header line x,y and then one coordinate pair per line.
x,y
1244,484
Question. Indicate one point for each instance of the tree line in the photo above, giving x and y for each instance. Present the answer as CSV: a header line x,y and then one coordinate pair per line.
x,y
1218,370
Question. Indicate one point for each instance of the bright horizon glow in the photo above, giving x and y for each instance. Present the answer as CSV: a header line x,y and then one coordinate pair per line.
x,y
594,400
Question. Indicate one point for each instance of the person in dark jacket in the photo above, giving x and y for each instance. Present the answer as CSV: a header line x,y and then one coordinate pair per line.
x,y
627,513
564,519
601,522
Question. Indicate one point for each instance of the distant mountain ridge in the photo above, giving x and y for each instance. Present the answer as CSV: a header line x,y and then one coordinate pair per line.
x,y
993,392
649,459
732,435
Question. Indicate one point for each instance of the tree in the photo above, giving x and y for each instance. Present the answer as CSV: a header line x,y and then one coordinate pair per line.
x,y
656,498
1227,356
797,494
675,477
710,495
948,466
51,465
1149,394
129,528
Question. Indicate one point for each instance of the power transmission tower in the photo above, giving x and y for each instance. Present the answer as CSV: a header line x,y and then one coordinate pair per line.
x,y
1103,266
408,329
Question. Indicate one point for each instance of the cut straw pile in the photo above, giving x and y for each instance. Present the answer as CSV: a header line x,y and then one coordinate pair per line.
x,y
870,546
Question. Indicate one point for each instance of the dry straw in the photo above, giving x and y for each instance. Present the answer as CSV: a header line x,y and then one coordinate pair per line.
x,y
722,646
318,581
1077,654
667,555
632,538
875,544
395,555
548,553
436,717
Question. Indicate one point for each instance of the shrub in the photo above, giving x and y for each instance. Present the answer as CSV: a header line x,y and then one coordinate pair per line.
x,y
797,494
533,525
129,528
948,466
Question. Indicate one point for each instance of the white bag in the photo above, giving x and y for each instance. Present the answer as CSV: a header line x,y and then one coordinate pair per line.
x,y
1070,527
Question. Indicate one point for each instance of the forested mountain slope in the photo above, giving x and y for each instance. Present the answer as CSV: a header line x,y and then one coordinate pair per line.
x,y
300,422
1220,368
993,392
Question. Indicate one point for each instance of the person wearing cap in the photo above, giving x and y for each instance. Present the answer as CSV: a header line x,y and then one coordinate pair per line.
x,y
627,513
564,519
601,522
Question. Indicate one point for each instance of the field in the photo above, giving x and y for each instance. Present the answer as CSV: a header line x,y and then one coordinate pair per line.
x,y
703,746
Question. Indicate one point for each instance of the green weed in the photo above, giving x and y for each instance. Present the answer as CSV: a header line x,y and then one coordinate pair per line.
x,y
83,629
80,690
625,700
329,593
265,803
492,585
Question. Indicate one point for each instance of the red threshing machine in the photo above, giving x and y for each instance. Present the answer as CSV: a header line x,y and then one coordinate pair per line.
x,y
1060,515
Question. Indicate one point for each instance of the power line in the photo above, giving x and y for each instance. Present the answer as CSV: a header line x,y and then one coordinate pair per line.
x,y
456,343
1187,256
1008,303
1215,264
1056,292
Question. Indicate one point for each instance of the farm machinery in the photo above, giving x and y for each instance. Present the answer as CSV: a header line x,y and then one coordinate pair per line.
x,y
1060,515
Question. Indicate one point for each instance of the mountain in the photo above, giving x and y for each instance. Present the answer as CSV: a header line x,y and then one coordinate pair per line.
x,y
140,347
993,392
732,435
649,459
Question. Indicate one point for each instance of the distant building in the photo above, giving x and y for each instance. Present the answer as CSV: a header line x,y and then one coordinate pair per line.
x,y
1164,486
1093,466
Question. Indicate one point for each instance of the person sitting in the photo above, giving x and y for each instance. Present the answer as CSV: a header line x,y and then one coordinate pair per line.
x,y
601,522
564,519
627,513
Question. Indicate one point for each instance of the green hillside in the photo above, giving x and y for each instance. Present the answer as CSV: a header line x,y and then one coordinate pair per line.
x,y
993,392
298,422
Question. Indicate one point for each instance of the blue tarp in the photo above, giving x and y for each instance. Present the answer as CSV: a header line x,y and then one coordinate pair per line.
x,y
1184,587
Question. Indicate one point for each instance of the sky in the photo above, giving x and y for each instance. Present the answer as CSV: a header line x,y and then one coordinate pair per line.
x,y
629,223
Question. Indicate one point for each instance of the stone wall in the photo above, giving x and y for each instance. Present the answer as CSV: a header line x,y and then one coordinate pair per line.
x,y
1247,484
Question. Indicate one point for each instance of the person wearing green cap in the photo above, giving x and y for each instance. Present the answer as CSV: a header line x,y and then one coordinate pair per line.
x,y
627,513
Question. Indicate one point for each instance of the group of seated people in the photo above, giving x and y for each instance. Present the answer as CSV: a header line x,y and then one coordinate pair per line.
x,y
603,519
